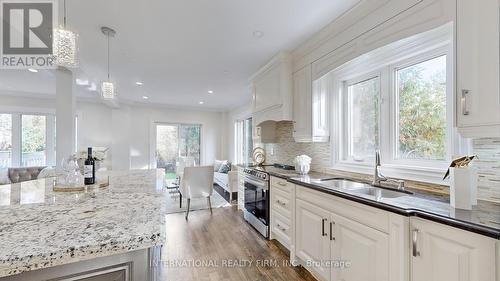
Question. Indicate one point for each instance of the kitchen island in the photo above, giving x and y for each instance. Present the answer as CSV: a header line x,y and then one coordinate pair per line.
x,y
52,235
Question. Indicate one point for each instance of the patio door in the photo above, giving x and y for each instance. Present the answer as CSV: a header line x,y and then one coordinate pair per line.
x,y
176,140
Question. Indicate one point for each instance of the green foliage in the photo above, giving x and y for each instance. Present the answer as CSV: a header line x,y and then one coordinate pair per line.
x,y
33,133
422,114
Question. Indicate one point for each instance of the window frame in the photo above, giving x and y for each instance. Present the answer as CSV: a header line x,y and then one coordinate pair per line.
x,y
153,136
345,151
394,104
50,126
408,51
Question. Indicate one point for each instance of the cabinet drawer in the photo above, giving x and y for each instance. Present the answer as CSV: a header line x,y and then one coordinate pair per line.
x,y
281,184
366,215
282,229
281,203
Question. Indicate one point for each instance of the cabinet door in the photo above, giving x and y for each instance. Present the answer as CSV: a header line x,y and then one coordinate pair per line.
x,y
443,253
302,105
320,124
312,239
365,249
478,75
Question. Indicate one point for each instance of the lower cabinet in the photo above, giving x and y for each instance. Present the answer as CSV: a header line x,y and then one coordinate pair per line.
x,y
333,247
313,245
443,253
364,249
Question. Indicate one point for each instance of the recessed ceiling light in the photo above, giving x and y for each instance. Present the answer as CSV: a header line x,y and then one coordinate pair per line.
x,y
138,83
33,70
201,102
210,92
145,97
258,34
82,82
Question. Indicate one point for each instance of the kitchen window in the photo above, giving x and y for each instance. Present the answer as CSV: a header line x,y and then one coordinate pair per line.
x,y
397,99
362,118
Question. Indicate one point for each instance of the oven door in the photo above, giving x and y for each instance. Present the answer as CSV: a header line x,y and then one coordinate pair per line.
x,y
257,199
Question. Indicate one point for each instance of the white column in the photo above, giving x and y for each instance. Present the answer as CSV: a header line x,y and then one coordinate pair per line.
x,y
65,114
120,144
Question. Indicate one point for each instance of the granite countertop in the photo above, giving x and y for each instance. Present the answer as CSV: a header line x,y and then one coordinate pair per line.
x,y
40,228
483,218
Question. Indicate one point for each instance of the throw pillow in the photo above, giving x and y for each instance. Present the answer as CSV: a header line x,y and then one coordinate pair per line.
x,y
225,168
4,176
218,164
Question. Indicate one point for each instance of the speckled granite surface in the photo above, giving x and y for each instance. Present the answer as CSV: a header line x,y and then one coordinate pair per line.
x,y
40,228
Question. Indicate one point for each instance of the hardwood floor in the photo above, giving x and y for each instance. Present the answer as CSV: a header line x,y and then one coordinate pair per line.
x,y
222,247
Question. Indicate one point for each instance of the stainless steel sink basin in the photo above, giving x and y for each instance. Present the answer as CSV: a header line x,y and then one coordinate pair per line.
x,y
380,193
343,184
360,188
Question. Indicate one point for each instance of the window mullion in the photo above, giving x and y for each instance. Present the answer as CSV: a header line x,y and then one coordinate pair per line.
x,y
16,140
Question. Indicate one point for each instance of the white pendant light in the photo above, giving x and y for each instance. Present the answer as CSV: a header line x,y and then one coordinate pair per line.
x,y
107,87
65,45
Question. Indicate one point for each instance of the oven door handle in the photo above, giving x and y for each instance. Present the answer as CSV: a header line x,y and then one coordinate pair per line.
x,y
256,183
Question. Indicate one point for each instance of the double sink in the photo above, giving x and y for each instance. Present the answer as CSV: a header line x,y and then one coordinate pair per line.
x,y
355,187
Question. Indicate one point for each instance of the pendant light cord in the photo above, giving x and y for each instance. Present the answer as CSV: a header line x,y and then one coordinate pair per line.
x,y
108,56
64,19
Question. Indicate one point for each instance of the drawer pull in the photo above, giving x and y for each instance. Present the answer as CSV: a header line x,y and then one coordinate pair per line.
x,y
282,183
280,227
281,203
323,227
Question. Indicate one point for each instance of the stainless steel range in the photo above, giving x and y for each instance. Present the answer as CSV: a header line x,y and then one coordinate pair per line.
x,y
257,198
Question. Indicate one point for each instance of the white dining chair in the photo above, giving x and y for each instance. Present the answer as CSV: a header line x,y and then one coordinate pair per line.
x,y
197,182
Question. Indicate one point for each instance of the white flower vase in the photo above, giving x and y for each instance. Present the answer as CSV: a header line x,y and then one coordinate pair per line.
x,y
302,169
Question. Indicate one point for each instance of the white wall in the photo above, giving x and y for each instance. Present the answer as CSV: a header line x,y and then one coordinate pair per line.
x,y
127,130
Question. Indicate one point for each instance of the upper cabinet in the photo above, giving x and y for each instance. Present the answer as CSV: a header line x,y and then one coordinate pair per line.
x,y
478,68
272,90
310,101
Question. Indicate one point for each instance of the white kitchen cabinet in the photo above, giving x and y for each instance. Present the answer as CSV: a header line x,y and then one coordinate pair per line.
x,y
272,90
312,242
478,68
333,247
443,253
366,250
309,107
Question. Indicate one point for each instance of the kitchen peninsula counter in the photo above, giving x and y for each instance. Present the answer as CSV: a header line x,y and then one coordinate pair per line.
x,y
40,228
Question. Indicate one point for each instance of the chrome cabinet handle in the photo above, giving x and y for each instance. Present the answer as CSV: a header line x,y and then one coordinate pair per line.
x,y
463,101
281,203
282,183
332,238
323,227
415,251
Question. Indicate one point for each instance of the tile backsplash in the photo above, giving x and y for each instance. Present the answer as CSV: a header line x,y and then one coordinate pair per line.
x,y
488,165
285,149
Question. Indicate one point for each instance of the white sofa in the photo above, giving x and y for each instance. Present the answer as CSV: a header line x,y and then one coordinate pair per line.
x,y
229,181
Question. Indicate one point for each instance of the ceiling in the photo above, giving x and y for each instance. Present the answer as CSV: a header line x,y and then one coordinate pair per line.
x,y
181,49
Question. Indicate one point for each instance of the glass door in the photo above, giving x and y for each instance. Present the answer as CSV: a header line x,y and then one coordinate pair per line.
x,y
174,141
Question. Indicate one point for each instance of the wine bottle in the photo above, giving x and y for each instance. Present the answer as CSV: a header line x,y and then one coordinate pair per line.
x,y
89,168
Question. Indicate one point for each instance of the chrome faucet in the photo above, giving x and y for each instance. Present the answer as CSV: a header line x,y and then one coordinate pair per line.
x,y
378,177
